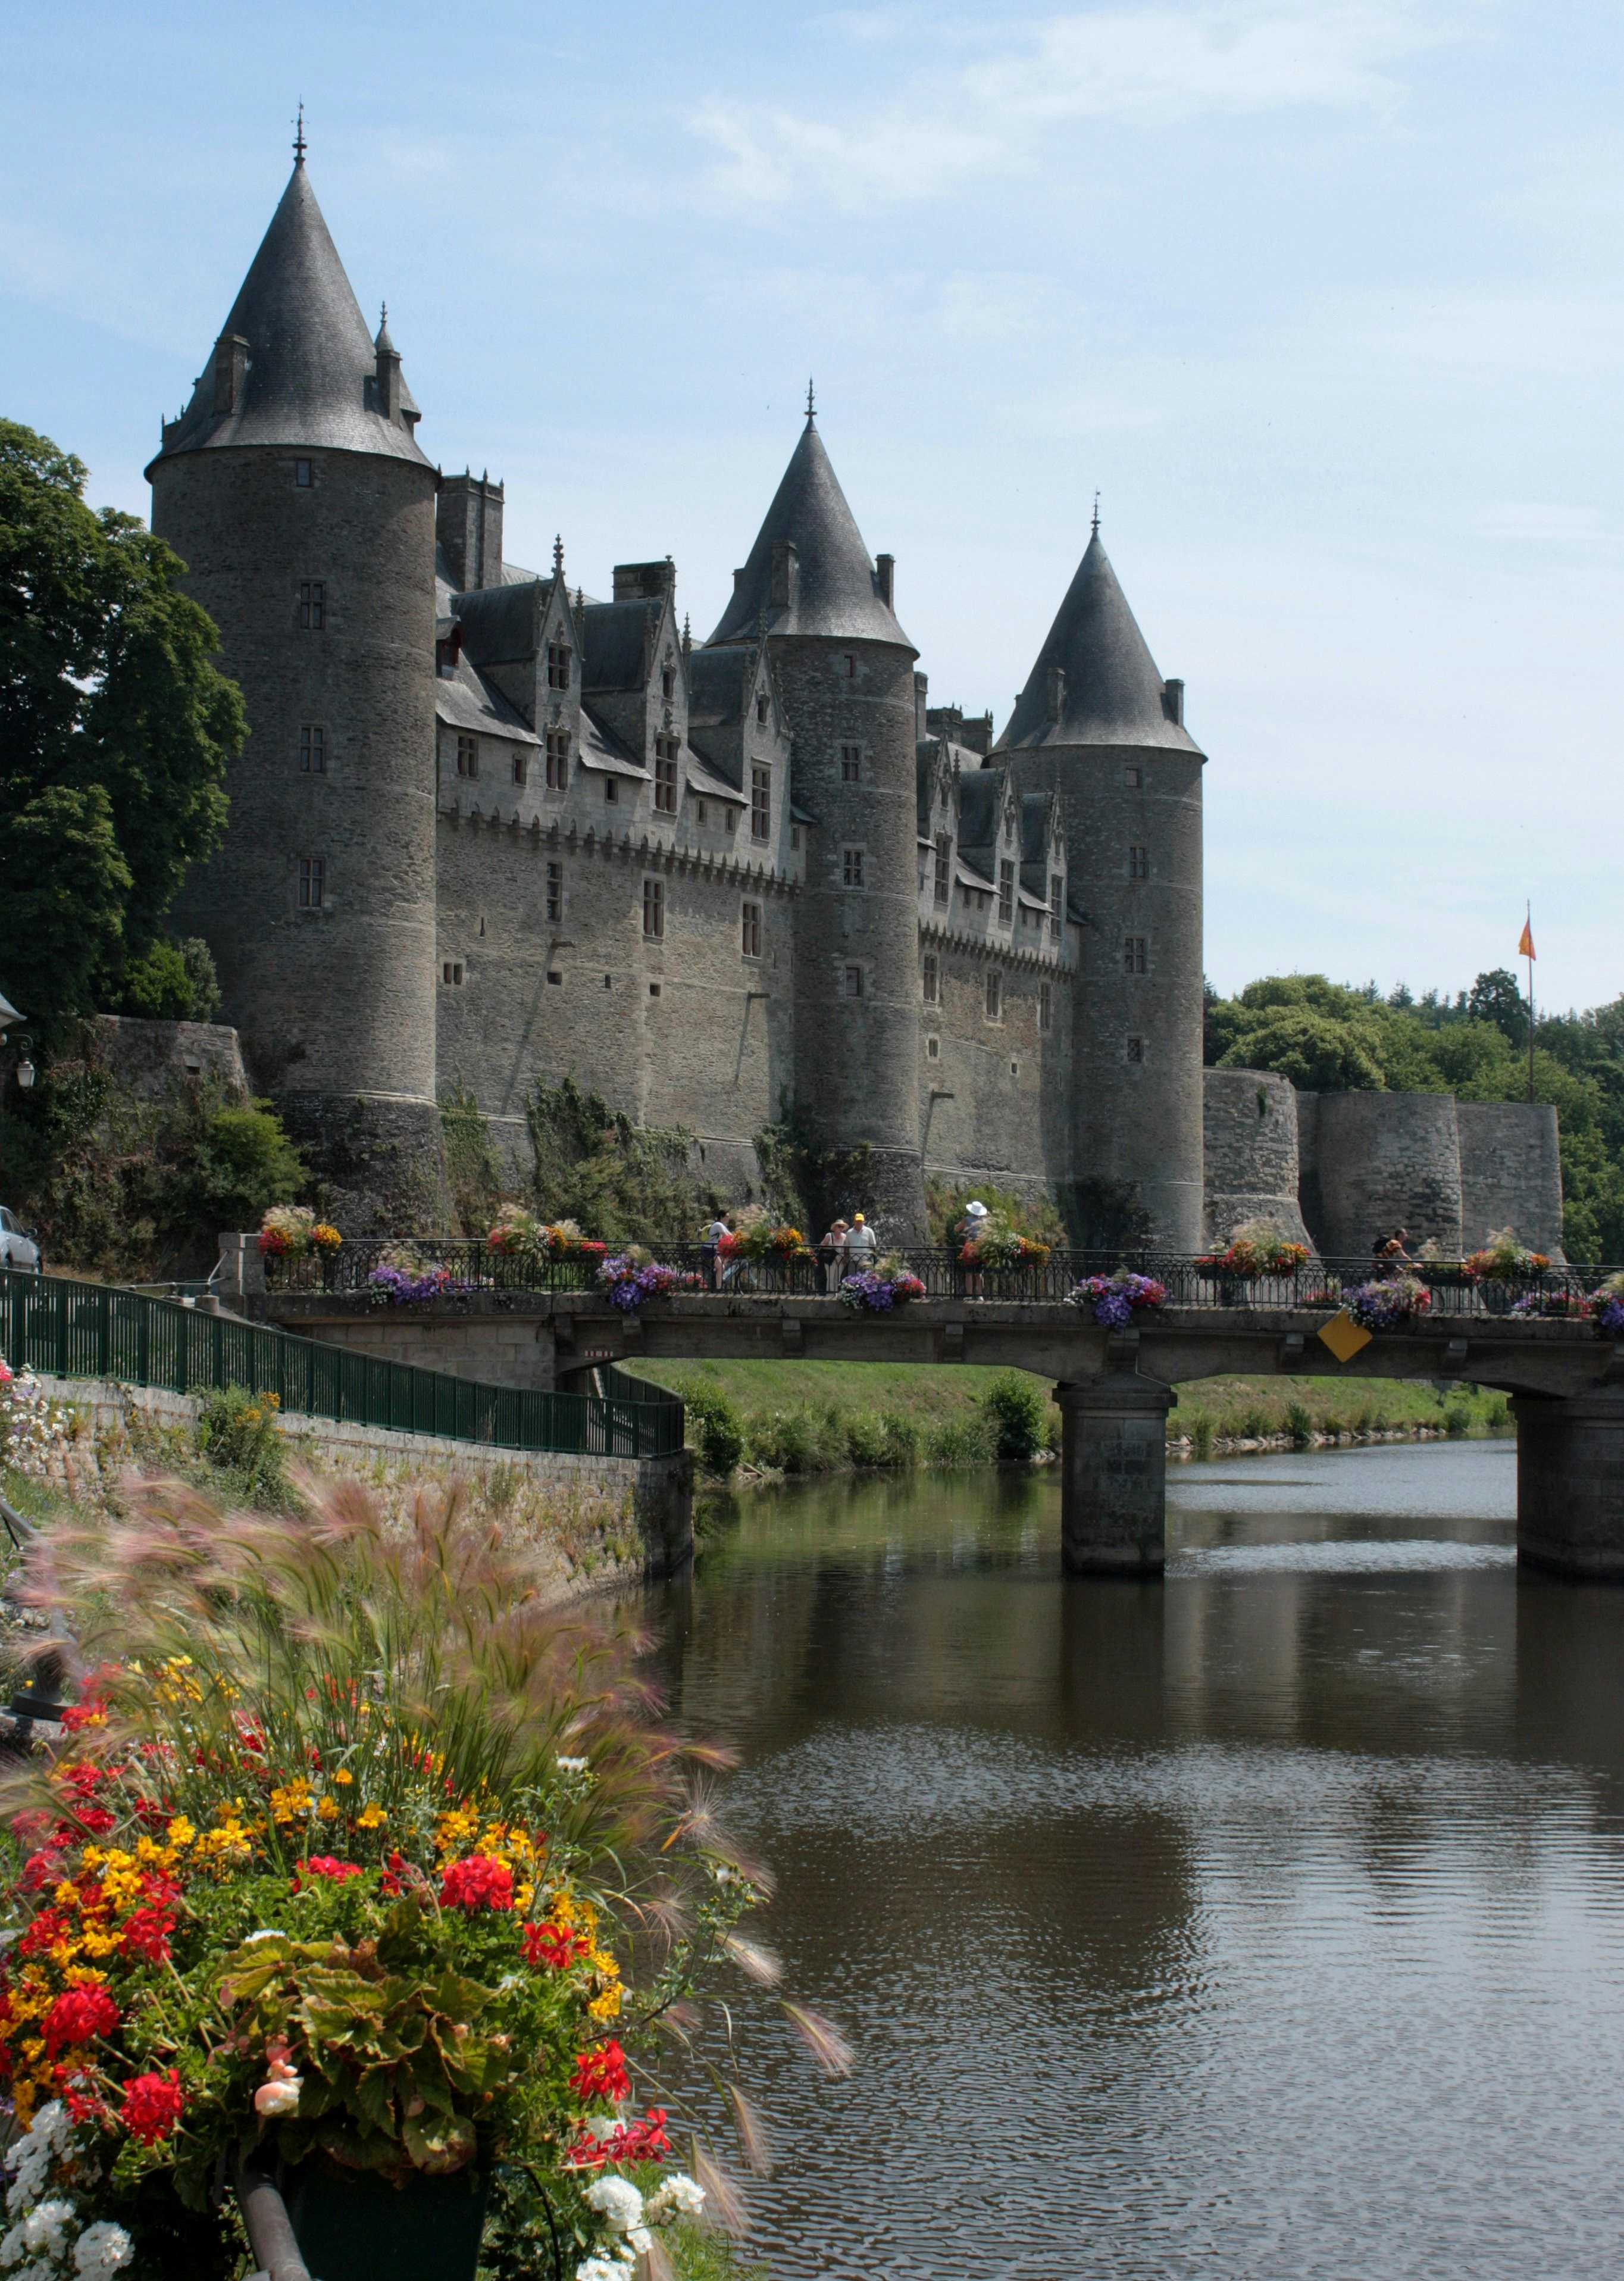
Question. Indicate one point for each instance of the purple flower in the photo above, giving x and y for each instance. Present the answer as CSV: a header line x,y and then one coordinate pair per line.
x,y
1610,1317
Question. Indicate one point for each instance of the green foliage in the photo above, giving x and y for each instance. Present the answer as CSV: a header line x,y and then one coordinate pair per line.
x,y
798,1441
172,982
945,1201
132,1188
718,1431
472,1171
237,1439
115,731
1299,1426
962,1441
621,1181
1015,1411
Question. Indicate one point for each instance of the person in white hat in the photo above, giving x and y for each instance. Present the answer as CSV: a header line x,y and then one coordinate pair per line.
x,y
966,1232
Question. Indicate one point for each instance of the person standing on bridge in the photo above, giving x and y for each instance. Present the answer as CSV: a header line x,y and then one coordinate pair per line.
x,y
967,1234
862,1245
832,1257
711,1238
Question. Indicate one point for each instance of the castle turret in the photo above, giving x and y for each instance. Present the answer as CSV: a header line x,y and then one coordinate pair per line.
x,y
293,488
1097,724
844,668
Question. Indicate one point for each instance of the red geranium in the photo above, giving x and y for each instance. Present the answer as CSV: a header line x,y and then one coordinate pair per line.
x,y
601,2074
323,1865
476,1883
77,2015
554,1946
147,1933
628,2142
152,2106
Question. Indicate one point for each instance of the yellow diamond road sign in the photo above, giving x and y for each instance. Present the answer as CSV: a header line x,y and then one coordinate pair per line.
x,y
1344,1336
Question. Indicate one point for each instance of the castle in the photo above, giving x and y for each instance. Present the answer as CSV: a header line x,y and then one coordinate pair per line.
x,y
488,831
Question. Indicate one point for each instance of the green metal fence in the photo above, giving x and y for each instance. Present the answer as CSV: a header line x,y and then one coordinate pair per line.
x,y
92,1330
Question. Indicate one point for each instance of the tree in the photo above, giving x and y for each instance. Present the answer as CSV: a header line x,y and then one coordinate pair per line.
x,y
115,732
1495,997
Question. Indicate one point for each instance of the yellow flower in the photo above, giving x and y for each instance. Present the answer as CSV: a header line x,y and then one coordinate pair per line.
x,y
291,1802
180,1831
371,1817
343,1777
606,2006
602,1961
327,1811
523,1895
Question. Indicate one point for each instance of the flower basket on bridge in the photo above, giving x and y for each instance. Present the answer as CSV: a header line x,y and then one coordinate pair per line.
x,y
881,1288
1115,1299
772,1245
281,1912
1001,1249
404,1277
1607,1307
631,1277
293,1232
1384,1305
531,1244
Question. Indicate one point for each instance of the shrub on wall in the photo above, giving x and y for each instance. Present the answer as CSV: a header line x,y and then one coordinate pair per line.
x,y
621,1181
1037,1217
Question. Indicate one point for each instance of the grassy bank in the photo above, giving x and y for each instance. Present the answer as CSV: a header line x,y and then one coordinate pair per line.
x,y
823,1417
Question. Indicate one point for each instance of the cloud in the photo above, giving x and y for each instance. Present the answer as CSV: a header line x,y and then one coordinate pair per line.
x,y
987,110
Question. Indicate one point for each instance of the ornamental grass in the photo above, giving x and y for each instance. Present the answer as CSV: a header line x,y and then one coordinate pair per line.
x,y
359,1855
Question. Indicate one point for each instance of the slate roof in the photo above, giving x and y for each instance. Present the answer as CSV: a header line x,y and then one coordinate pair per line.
x,y
980,797
704,778
598,747
1033,817
617,643
838,589
463,701
500,624
310,354
1114,694
718,683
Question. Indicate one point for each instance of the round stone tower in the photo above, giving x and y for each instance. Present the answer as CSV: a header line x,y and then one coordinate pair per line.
x,y
845,669
293,488
1097,724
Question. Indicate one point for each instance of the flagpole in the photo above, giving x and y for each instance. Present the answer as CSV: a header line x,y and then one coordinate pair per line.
x,y
1528,937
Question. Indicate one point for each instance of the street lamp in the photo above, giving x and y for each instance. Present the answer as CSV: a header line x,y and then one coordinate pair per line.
x,y
24,1062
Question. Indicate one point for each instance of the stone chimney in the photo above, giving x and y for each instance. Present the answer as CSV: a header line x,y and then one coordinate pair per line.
x,y
468,526
644,581
1057,691
786,574
1172,701
921,708
885,577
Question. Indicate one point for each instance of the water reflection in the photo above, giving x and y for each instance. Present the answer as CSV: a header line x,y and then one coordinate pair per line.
x,y
1267,1923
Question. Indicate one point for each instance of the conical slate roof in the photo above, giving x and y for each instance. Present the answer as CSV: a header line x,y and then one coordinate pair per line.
x,y
311,358
837,591
1113,695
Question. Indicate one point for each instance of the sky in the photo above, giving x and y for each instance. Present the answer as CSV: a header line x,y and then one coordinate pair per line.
x,y
1323,296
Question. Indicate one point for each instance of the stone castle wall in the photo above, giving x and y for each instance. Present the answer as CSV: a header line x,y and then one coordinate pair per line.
x,y
1511,1172
995,1097
1252,1166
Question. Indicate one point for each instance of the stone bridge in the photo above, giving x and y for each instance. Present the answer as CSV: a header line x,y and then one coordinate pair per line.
x,y
1113,1387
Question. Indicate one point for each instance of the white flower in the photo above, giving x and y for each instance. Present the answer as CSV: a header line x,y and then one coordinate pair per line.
x,y
618,2200
602,2127
677,2193
600,2269
102,2249
639,2238
13,2247
573,1766
279,2098
42,2228
266,1932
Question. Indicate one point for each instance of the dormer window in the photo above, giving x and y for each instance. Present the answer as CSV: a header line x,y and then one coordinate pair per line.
x,y
668,684
761,709
560,659
665,775
944,871
558,759
467,756
1057,893
1006,892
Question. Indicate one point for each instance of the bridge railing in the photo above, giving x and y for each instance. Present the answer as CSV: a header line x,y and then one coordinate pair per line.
x,y
469,1271
67,1329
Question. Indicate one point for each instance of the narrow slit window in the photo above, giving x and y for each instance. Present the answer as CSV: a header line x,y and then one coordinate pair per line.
x,y
555,890
994,996
312,606
944,871
761,803
665,775
313,749
850,765
558,759
1006,892
313,883
467,756
1138,863
654,911
851,866
750,930
1136,954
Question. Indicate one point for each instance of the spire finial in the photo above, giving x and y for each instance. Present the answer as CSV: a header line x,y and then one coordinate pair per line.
x,y
812,404
384,315
1096,514
298,136
558,556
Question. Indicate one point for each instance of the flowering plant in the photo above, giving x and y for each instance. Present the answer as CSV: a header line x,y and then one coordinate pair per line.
x,y
885,1285
404,1277
757,1237
1607,1306
996,1244
1391,1300
1503,1258
32,1426
1563,1306
324,1237
1116,1298
341,1866
633,1277
523,1235
287,1232
1257,1248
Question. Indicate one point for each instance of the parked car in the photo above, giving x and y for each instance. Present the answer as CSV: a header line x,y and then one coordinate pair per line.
x,y
18,1248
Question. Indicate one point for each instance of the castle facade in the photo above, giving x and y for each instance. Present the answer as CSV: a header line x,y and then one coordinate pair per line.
x,y
489,831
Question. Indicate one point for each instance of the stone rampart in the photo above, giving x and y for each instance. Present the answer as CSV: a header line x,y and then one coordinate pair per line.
x,y
1374,1162
149,1057
1251,1153
1511,1172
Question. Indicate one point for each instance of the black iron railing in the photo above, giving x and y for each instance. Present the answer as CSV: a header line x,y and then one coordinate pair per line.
x,y
50,1323
472,1274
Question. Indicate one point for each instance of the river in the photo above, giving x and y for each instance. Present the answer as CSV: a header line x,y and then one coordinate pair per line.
x,y
1267,1923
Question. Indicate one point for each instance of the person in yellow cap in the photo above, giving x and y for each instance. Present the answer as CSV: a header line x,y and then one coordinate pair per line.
x,y
861,1246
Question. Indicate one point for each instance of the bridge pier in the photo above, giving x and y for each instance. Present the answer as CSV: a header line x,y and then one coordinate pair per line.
x,y
1570,1484
1113,1475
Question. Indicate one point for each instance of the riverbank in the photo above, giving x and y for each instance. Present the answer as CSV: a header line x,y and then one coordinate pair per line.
x,y
827,1418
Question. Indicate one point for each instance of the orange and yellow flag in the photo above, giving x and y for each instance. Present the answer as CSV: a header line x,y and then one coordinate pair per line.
x,y
1524,948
